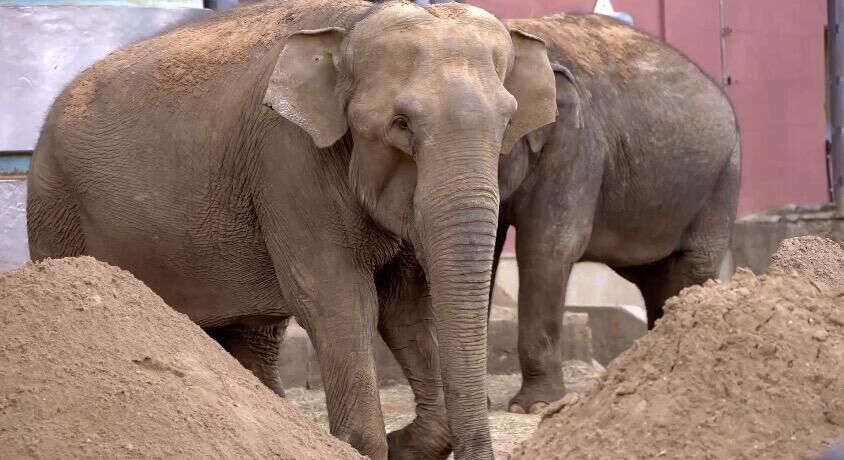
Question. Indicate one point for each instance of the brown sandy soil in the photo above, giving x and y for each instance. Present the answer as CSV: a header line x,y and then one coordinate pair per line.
x,y
508,429
749,369
94,365
818,259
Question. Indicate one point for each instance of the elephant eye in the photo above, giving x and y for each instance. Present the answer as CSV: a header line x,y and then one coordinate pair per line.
x,y
400,122
400,135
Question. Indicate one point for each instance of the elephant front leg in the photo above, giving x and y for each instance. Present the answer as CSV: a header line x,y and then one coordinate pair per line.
x,y
341,326
546,254
407,326
542,293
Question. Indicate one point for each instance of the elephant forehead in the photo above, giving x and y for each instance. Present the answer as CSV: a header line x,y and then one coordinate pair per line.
x,y
427,44
396,12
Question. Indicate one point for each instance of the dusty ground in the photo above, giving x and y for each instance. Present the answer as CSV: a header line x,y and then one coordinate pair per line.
x,y
818,259
94,365
748,369
507,429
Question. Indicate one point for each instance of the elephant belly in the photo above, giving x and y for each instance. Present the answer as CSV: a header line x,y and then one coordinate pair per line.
x,y
617,246
213,284
641,222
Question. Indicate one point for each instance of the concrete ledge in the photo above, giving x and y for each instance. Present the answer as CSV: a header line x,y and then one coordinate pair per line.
x,y
614,329
590,334
757,237
503,354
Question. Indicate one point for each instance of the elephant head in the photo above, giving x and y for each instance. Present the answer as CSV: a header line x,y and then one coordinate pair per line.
x,y
431,96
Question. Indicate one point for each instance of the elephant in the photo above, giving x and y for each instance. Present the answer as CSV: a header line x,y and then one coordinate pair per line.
x,y
640,171
279,160
568,187
610,181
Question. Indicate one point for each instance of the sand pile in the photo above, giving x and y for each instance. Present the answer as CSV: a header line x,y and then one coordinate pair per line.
x,y
94,365
749,369
818,259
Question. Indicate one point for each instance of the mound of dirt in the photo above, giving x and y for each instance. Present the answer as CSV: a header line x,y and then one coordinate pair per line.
x,y
94,365
818,259
747,369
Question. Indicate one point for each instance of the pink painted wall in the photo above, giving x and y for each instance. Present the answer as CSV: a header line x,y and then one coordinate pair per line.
x,y
775,59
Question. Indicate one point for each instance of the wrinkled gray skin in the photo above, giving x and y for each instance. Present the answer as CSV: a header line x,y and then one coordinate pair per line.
x,y
247,174
640,171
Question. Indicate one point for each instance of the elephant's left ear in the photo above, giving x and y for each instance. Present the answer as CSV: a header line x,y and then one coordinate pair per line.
x,y
531,82
303,85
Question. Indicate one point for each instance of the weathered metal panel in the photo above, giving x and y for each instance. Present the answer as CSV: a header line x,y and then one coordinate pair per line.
x,y
775,58
14,250
644,12
835,61
694,26
43,48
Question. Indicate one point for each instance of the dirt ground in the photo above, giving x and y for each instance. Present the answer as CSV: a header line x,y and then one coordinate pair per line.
x,y
508,429
748,369
94,365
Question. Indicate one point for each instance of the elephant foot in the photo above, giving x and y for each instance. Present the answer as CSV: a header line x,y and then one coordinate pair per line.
x,y
534,399
278,389
410,443
270,377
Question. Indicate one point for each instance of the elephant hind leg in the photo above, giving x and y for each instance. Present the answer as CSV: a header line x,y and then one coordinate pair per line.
x,y
256,348
53,223
703,245
665,278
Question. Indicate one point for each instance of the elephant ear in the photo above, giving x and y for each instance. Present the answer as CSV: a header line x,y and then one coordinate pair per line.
x,y
303,85
568,107
531,82
567,98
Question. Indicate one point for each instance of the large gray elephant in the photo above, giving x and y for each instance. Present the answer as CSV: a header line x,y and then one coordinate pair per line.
x,y
640,171
274,160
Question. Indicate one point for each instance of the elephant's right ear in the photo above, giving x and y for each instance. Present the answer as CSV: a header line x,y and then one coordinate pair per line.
x,y
568,101
531,82
303,85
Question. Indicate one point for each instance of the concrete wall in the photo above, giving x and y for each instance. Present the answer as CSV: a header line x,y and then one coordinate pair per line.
x,y
590,284
13,246
757,237
50,45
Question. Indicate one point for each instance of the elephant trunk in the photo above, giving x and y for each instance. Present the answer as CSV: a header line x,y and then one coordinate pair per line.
x,y
458,205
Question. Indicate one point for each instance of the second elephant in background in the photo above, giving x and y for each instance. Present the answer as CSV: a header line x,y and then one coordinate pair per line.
x,y
640,172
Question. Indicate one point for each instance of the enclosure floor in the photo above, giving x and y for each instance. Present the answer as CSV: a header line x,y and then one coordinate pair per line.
x,y
507,429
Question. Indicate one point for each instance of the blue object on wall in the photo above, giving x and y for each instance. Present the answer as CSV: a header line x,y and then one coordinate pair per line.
x,y
13,163
624,17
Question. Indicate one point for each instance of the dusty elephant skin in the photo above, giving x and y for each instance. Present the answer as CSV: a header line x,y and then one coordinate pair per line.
x,y
270,162
640,171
